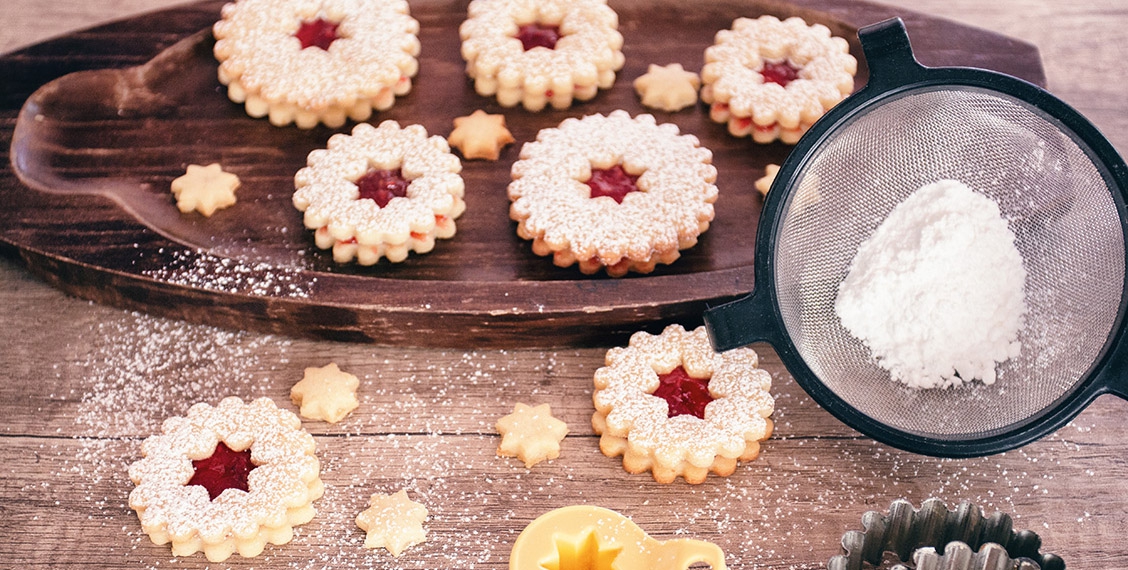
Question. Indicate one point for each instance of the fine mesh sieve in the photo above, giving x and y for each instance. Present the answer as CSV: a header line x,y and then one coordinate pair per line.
x,y
1058,183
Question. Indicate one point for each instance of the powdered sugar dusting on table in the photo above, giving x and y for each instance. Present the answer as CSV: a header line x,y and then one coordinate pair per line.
x,y
936,292
425,424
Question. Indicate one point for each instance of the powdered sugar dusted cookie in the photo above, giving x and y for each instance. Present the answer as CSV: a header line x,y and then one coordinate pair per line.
x,y
531,434
670,404
226,479
326,393
310,61
394,522
380,192
613,192
773,79
541,52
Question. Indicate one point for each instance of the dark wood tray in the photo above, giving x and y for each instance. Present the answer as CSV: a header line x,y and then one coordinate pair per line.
x,y
100,122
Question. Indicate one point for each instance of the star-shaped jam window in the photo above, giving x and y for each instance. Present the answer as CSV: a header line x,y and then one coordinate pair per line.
x,y
394,522
669,88
531,434
205,189
480,135
325,393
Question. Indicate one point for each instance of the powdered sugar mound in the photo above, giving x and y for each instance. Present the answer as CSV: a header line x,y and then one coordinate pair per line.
x,y
936,292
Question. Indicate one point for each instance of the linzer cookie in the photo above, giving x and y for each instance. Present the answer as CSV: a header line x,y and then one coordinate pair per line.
x,y
541,52
305,62
772,79
671,405
226,479
380,192
613,193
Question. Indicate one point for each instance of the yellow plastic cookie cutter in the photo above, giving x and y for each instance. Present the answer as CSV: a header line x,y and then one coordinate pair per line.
x,y
583,537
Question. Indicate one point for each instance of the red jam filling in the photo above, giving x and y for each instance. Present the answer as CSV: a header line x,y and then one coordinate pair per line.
x,y
223,470
318,33
613,182
536,35
781,73
381,186
683,393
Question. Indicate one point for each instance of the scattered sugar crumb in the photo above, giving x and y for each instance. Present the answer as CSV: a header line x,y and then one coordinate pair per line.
x,y
228,275
436,440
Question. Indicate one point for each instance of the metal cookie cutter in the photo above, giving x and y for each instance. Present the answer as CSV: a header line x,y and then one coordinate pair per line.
x,y
968,540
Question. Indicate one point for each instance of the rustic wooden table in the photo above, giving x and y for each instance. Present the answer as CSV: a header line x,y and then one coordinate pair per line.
x,y
82,384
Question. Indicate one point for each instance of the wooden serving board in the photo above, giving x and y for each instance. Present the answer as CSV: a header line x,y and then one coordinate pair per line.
x,y
101,121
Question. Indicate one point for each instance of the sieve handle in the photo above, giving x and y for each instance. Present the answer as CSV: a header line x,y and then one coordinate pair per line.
x,y
741,322
889,55
1113,374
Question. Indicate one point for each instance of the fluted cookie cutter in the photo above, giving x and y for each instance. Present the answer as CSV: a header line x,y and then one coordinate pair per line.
x,y
582,536
960,556
920,536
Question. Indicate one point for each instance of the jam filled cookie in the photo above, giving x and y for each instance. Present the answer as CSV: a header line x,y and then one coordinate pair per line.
x,y
541,52
773,79
672,405
613,192
310,61
226,479
380,192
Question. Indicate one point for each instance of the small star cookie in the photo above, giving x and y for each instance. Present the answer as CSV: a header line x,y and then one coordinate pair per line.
x,y
531,434
670,88
394,522
480,135
205,189
325,393
764,183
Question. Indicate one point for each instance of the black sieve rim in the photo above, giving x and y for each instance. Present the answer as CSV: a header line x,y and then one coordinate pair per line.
x,y
894,73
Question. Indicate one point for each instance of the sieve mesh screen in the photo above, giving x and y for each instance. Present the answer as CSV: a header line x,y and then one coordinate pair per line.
x,y
1054,198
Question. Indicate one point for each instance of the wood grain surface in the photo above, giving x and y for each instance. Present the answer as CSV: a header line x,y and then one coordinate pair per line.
x,y
82,384
101,144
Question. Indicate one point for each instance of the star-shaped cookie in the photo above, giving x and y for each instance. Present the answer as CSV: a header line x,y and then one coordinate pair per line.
x,y
394,522
764,183
204,189
669,88
531,434
325,393
480,135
